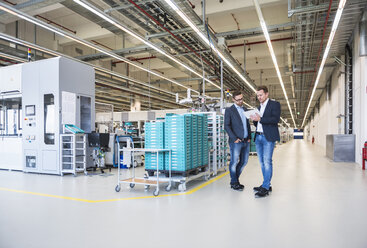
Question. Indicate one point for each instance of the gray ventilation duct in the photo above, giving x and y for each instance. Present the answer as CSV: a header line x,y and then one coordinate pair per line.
x,y
363,35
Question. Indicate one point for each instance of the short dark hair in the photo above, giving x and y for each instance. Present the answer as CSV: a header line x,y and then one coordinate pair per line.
x,y
236,93
264,88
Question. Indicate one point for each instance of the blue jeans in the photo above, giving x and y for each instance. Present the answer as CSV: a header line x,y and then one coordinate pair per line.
x,y
239,157
264,151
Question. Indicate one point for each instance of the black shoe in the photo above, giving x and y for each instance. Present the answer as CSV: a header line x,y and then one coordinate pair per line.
x,y
236,187
260,187
262,193
242,186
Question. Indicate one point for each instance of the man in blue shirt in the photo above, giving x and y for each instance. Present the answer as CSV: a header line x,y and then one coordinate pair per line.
x,y
238,129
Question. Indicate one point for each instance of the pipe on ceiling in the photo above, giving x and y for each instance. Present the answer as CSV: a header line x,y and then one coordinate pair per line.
x,y
363,35
259,42
320,48
172,34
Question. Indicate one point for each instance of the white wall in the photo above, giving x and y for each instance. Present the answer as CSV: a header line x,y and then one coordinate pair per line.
x,y
359,98
325,121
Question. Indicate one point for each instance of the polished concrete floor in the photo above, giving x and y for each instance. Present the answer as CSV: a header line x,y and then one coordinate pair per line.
x,y
315,203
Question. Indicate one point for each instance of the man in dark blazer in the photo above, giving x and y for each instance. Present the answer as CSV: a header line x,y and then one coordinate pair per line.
x,y
238,129
267,133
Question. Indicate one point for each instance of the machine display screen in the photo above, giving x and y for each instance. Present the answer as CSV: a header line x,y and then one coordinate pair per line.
x,y
30,110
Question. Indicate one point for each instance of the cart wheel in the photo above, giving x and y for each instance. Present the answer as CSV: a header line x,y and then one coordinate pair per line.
x,y
146,187
86,173
156,192
118,188
182,187
132,185
168,188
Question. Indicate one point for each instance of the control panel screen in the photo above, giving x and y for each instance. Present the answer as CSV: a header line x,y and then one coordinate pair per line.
x,y
30,110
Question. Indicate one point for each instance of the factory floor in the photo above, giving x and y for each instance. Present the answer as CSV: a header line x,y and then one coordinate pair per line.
x,y
314,203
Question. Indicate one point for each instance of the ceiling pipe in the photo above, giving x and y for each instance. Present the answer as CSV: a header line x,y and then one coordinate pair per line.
x,y
97,68
120,88
259,42
135,59
56,24
172,34
320,48
10,2
363,35
100,44
290,68
303,72
8,61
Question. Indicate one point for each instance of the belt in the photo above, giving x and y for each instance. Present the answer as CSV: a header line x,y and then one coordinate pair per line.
x,y
258,133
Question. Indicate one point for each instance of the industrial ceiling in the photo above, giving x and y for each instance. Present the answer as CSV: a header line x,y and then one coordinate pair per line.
x,y
152,49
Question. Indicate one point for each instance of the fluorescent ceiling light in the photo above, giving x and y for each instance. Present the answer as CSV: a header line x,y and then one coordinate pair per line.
x,y
326,52
127,90
29,18
205,39
98,68
272,53
4,55
285,122
114,22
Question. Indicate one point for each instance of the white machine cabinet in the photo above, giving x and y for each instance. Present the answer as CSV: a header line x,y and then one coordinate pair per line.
x,y
51,92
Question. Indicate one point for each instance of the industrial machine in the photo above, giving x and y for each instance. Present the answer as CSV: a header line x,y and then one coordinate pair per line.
x,y
10,128
100,144
38,98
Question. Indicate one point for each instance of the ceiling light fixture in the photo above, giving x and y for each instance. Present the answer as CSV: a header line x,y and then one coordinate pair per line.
x,y
98,68
8,56
326,52
205,39
285,122
114,22
272,53
40,23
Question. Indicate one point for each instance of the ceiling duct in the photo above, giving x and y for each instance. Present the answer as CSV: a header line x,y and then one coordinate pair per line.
x,y
363,35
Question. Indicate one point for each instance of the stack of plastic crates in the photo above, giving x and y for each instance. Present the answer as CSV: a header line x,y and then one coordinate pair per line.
x,y
154,139
195,141
178,138
200,128
205,157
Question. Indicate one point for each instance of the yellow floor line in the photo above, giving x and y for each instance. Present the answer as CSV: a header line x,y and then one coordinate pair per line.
x,y
47,195
118,199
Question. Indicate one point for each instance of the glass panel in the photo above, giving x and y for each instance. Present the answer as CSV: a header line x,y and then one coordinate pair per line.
x,y
2,119
49,124
85,114
20,126
10,116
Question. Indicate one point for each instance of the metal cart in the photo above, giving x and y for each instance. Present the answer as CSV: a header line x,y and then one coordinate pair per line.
x,y
73,144
128,155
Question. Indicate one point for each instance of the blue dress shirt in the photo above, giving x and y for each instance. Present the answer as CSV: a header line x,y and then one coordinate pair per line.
x,y
241,111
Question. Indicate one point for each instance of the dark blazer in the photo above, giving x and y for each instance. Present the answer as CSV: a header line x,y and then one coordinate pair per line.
x,y
233,124
270,121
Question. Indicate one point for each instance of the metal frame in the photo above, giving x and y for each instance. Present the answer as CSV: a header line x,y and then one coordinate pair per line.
x,y
143,180
71,152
